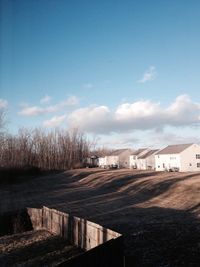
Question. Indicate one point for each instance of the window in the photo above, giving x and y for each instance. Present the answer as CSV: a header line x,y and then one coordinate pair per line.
x,y
163,165
198,164
190,164
197,156
158,156
172,158
158,166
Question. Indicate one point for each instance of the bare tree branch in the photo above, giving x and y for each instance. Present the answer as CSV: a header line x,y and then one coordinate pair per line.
x,y
56,150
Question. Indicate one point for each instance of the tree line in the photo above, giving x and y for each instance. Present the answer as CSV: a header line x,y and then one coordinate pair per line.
x,y
55,150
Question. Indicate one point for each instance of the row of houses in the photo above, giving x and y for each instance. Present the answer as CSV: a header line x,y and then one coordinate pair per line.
x,y
183,158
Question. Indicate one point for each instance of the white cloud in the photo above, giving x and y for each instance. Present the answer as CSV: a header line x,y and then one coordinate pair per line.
x,y
90,118
37,110
140,115
149,75
137,110
46,99
54,122
32,111
3,103
184,111
70,102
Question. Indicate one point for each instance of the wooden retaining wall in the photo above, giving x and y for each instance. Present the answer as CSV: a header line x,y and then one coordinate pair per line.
x,y
104,246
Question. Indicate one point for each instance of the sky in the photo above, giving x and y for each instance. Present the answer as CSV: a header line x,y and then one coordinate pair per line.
x,y
124,72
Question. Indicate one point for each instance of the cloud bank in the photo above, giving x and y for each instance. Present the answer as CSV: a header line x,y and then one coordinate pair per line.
x,y
140,115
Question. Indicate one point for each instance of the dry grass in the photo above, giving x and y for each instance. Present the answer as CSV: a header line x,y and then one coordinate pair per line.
x,y
157,212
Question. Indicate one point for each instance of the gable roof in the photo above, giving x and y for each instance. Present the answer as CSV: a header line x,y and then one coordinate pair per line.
x,y
174,149
148,153
137,152
119,151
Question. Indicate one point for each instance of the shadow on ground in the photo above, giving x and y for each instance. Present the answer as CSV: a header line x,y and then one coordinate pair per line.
x,y
163,234
169,238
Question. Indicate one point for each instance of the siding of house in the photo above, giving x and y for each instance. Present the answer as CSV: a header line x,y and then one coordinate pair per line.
x,y
144,160
148,163
133,159
112,160
124,159
167,161
102,162
189,160
141,164
151,163
120,157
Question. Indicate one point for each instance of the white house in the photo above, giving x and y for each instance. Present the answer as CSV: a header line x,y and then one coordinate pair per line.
x,y
146,161
134,157
119,158
183,158
102,162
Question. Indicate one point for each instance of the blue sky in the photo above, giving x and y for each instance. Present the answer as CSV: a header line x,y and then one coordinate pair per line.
x,y
126,72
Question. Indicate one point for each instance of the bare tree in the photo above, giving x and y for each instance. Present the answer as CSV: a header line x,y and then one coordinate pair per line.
x,y
56,150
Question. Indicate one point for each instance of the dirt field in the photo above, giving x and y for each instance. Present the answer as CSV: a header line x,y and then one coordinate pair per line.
x,y
157,212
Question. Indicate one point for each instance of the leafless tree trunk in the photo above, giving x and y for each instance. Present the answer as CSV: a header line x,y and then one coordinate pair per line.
x,y
56,150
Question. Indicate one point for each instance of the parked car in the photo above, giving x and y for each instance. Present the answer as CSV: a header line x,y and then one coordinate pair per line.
x,y
113,166
174,169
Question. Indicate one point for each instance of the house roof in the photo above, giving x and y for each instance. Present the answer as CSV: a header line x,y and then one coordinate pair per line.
x,y
174,149
119,151
137,152
148,153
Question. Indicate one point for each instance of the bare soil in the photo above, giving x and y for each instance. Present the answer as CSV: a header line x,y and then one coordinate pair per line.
x,y
158,213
